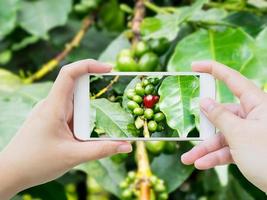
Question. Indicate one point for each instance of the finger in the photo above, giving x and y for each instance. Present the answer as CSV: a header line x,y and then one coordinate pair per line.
x,y
87,151
65,82
220,117
220,157
213,144
250,96
235,109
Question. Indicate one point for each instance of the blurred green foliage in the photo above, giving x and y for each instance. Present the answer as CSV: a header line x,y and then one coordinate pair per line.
x,y
32,32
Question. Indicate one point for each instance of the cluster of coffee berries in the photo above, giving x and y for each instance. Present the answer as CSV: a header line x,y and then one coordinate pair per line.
x,y
143,103
159,188
130,187
143,56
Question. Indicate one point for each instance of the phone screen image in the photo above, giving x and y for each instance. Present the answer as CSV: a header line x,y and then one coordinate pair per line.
x,y
144,106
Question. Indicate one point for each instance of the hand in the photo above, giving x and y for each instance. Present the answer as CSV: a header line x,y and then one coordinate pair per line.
x,y
44,148
243,127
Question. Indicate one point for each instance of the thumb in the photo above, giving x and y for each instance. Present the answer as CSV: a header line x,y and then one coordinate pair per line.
x,y
93,150
219,116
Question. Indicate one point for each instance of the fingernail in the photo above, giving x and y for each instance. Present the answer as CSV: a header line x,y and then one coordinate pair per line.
x,y
109,65
124,148
200,63
183,156
207,104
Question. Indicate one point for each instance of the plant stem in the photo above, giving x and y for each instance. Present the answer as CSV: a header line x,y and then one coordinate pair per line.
x,y
54,62
144,171
105,89
139,13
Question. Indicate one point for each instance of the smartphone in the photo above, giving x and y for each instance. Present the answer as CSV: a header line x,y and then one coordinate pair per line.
x,y
142,106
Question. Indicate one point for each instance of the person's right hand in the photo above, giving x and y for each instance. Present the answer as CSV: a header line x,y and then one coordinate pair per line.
x,y
243,127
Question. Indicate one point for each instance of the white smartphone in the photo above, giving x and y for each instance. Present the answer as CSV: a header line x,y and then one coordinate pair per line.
x,y
142,106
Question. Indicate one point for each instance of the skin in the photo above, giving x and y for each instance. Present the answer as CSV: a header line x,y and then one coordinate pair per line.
x,y
44,147
242,136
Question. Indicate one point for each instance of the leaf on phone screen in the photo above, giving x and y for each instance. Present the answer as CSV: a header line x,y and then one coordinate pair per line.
x,y
92,118
175,102
113,119
194,106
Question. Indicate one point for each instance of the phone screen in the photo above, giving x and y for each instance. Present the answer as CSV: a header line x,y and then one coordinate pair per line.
x,y
163,106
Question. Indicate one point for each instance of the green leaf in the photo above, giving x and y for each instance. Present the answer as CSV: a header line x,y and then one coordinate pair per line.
x,y
231,47
52,191
170,169
106,173
8,81
261,4
167,25
250,22
256,68
16,105
92,118
8,16
176,93
39,16
211,15
111,16
110,53
163,25
113,119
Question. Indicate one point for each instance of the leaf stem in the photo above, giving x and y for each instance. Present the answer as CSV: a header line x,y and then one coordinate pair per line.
x,y
54,62
236,7
105,89
211,23
155,8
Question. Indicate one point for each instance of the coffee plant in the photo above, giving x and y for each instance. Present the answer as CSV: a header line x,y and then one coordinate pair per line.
x,y
37,37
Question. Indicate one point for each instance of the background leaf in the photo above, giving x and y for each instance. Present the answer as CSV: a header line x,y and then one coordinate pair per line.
x,y
166,25
38,17
106,173
170,168
52,191
110,53
8,16
215,45
23,99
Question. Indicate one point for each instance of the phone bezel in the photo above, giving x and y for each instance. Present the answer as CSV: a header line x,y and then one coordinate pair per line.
x,y
81,104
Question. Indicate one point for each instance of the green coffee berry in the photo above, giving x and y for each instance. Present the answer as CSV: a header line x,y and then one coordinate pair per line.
x,y
159,117
138,111
132,105
149,89
152,126
148,113
138,99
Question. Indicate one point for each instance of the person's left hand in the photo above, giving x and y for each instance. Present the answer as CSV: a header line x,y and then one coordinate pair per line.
x,y
44,148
